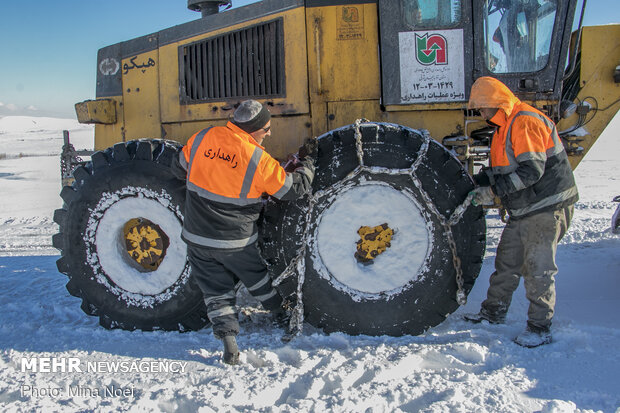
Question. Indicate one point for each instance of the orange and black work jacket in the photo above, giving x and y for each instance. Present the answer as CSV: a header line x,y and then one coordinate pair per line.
x,y
227,172
529,168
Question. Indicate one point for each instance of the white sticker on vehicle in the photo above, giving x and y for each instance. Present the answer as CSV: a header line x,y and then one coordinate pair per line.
x,y
432,66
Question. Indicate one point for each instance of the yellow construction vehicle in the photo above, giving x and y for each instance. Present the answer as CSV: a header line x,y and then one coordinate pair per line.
x,y
384,84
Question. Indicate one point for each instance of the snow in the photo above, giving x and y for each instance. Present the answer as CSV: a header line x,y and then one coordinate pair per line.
x,y
108,227
30,173
454,367
337,237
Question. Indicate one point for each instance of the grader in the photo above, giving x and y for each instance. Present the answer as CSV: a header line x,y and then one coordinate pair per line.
x,y
384,84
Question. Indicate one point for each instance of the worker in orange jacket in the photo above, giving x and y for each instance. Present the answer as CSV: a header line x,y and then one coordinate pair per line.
x,y
530,172
227,172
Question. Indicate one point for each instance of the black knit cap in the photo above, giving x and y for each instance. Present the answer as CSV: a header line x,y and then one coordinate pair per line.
x,y
251,116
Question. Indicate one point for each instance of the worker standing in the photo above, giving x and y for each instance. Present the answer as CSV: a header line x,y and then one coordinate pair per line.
x,y
227,171
530,172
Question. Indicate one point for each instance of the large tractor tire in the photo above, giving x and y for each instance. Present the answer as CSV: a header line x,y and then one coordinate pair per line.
x,y
367,175
120,238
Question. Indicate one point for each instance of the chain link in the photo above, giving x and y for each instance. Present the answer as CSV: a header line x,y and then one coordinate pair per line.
x,y
459,211
358,141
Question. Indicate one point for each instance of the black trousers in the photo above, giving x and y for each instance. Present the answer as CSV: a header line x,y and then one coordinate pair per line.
x,y
217,272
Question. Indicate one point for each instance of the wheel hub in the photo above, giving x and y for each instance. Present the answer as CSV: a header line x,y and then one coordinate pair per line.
x,y
145,242
373,242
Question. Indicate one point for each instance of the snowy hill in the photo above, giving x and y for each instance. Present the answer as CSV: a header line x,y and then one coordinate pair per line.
x,y
30,172
15,124
22,136
453,367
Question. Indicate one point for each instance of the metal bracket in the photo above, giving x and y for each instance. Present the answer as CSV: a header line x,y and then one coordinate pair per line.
x,y
70,159
572,145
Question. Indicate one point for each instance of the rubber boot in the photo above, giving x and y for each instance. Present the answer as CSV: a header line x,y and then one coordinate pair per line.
x,y
534,337
231,351
482,316
281,318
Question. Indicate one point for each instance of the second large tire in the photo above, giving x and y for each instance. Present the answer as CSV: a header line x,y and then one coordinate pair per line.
x,y
410,287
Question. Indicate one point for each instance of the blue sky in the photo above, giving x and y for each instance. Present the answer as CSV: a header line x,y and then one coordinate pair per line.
x,y
48,49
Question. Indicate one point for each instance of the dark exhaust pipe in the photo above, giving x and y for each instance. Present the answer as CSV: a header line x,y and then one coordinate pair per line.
x,y
208,7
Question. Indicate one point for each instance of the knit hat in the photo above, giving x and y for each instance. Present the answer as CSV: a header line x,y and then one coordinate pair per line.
x,y
251,116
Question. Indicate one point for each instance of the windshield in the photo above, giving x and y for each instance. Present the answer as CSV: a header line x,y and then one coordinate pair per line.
x,y
435,14
518,34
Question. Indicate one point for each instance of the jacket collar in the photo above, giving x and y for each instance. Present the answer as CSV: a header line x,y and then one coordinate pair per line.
x,y
243,134
499,119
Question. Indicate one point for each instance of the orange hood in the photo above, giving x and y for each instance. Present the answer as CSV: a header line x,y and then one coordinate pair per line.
x,y
488,92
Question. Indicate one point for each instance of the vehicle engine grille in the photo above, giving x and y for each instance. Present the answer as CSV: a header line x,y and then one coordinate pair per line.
x,y
243,63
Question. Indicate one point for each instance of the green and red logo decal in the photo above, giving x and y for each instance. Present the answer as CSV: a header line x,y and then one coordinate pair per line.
x,y
431,49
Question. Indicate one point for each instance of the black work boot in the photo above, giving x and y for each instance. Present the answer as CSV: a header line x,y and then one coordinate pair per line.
x,y
534,336
483,315
281,318
231,351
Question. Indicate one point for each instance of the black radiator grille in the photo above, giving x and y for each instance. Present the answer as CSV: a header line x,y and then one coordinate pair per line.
x,y
245,63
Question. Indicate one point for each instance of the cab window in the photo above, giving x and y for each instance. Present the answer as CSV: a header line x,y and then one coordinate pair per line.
x,y
435,14
518,34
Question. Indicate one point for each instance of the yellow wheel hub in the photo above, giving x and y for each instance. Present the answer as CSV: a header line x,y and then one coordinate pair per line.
x,y
373,242
146,243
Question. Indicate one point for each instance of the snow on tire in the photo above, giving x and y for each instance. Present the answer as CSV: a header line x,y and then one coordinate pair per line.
x,y
120,240
411,285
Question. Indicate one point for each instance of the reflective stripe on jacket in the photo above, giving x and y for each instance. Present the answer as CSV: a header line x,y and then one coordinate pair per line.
x,y
529,171
227,172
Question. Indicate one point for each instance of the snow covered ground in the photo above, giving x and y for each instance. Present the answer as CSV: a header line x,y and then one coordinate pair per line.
x,y
454,367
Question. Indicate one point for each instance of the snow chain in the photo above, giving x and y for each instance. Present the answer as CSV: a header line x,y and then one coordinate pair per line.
x,y
297,265
68,161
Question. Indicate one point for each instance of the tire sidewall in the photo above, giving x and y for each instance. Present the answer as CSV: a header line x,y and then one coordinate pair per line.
x,y
329,303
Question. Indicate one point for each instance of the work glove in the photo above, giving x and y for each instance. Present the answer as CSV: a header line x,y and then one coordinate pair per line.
x,y
292,163
309,149
483,195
